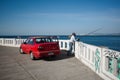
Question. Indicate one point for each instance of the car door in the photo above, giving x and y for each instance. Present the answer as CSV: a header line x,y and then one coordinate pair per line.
x,y
24,45
29,45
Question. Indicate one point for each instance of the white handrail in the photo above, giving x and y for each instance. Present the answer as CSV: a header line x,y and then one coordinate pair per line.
x,y
64,44
105,62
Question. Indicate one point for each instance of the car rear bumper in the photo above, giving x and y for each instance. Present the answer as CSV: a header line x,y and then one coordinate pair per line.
x,y
46,53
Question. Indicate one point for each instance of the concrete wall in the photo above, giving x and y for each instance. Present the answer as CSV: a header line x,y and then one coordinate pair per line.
x,y
103,61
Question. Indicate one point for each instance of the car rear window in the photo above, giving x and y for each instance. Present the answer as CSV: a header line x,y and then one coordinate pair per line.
x,y
43,40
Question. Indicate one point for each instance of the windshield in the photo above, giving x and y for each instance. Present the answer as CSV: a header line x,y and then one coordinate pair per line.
x,y
43,40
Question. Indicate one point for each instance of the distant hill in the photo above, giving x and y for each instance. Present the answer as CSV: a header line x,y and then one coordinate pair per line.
x,y
104,34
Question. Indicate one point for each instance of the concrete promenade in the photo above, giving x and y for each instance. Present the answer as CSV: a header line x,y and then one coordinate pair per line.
x,y
15,66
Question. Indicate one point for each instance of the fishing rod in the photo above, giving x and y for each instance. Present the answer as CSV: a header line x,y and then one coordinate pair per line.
x,y
94,31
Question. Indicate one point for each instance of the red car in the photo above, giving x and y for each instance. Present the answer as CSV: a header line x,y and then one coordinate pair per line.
x,y
42,46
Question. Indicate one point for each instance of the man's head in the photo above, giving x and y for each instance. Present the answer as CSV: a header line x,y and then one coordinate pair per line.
x,y
74,34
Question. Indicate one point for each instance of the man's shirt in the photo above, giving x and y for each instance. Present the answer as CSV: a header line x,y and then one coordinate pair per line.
x,y
72,39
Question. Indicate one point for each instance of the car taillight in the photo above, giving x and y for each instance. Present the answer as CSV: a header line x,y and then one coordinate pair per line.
x,y
40,48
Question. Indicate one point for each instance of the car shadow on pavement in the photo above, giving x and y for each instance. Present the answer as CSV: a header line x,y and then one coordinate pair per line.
x,y
61,56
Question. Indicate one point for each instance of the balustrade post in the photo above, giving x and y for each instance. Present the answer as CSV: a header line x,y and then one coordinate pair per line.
x,y
106,63
115,70
2,41
14,42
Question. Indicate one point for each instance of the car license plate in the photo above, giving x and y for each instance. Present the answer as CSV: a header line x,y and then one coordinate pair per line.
x,y
51,53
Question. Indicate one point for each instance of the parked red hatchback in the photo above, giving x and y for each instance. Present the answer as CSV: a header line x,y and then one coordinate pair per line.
x,y
42,46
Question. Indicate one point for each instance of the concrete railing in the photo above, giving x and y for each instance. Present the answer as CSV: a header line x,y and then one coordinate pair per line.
x,y
11,42
103,61
64,44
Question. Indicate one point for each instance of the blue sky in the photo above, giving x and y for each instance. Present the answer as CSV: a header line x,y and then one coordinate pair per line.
x,y
58,17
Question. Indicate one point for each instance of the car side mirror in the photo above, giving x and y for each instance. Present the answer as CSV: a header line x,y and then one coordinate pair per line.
x,y
24,43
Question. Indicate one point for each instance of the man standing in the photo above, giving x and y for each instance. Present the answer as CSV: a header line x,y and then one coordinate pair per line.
x,y
72,44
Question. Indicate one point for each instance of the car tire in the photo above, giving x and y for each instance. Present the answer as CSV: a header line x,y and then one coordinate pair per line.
x,y
21,51
32,56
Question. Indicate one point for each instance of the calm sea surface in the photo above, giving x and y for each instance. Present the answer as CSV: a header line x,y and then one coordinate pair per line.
x,y
112,42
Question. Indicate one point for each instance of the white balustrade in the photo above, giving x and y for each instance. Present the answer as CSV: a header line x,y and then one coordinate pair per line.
x,y
103,61
64,44
11,42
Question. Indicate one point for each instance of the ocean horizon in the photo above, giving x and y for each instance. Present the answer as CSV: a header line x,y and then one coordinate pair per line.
x,y
110,41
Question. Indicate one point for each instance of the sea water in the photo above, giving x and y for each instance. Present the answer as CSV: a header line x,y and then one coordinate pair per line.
x,y
112,42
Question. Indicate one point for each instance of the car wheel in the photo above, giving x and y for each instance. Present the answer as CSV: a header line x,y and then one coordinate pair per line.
x,y
21,51
32,56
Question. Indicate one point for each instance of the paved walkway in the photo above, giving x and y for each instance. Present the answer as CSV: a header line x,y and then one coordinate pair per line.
x,y
15,66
